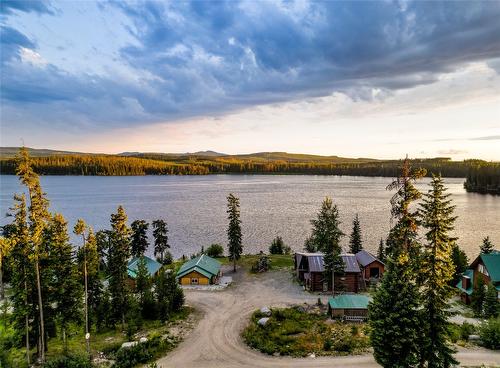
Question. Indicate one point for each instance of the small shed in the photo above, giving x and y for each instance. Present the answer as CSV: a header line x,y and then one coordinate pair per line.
x,y
202,270
349,307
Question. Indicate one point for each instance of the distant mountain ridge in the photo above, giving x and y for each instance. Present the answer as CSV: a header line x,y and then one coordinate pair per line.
x,y
6,152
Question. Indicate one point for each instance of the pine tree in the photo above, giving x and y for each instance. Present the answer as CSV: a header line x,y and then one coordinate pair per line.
x,y
460,263
118,255
393,317
66,288
234,236
38,215
355,241
394,314
478,296
487,246
491,303
437,269
143,286
309,245
89,256
381,251
160,233
326,235
139,238
22,273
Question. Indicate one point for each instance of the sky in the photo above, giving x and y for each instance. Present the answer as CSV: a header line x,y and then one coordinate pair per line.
x,y
377,79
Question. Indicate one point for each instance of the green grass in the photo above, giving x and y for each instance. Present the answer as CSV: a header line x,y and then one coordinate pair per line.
x,y
278,261
105,341
293,332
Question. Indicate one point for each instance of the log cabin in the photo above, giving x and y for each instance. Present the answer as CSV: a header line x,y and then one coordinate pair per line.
x,y
485,266
372,268
352,308
202,270
152,267
309,268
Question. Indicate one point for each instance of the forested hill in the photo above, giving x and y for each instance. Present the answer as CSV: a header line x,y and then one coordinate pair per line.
x,y
482,176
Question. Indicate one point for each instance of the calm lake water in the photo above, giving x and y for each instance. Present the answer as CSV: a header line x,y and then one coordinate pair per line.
x,y
195,206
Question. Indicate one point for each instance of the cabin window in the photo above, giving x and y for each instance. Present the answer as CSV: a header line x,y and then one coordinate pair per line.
x,y
483,270
374,273
194,281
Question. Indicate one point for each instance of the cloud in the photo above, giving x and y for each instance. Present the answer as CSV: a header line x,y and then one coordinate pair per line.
x,y
210,58
36,6
452,152
487,138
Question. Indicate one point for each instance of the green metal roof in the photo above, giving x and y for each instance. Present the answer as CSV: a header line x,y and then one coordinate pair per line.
x,y
492,263
348,301
203,264
152,266
470,274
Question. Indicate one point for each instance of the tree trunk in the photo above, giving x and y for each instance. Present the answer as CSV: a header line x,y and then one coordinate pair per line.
x,y
27,324
333,283
87,337
40,308
234,264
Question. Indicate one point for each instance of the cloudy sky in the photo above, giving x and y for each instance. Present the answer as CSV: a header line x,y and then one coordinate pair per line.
x,y
360,79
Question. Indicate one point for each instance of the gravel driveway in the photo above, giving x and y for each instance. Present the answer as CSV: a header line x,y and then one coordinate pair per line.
x,y
216,341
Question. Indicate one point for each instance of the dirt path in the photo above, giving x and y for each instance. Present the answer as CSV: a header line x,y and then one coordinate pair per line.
x,y
216,341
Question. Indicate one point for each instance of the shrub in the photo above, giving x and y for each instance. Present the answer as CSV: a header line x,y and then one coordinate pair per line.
x,y
261,265
278,246
466,329
142,353
69,361
215,250
490,333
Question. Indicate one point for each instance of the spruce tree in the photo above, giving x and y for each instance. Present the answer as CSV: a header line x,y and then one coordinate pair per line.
x,y
355,241
309,245
437,271
38,217
89,256
326,235
160,234
118,255
394,314
381,251
460,263
66,287
478,296
487,246
139,238
142,285
491,303
22,274
234,236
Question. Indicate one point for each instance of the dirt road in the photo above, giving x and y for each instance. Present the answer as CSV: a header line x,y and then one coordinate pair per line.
x,y
216,341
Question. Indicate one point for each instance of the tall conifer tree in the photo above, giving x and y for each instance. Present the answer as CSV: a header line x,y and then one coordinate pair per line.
x,y
139,238
394,312
119,253
22,273
234,236
38,215
326,234
487,246
355,241
66,294
437,270
160,234
381,250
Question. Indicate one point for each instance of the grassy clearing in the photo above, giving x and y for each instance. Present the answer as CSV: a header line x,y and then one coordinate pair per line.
x,y
294,332
278,261
107,342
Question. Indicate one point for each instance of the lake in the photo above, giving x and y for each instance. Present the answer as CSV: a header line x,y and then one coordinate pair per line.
x,y
195,206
